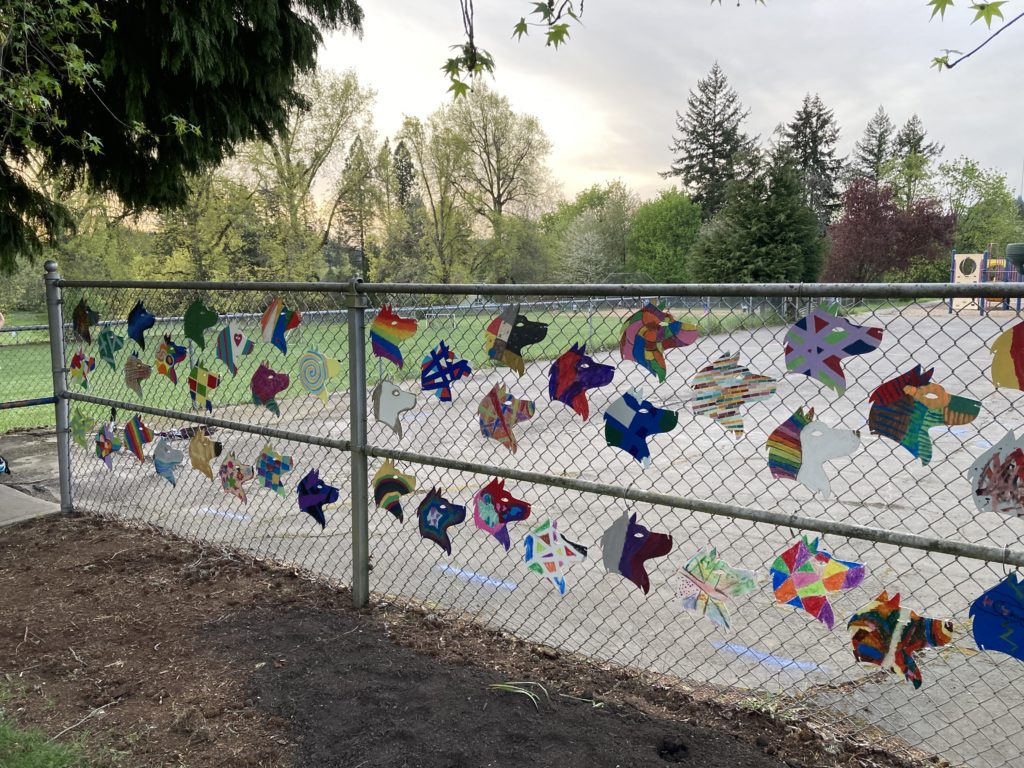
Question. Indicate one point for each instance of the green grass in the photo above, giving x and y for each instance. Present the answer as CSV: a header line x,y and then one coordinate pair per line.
x,y
21,748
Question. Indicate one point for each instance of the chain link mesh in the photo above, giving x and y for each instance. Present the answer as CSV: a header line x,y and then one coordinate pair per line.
x,y
775,657
24,375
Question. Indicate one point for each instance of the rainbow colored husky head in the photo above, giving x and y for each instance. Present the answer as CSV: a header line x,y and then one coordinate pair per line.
x,y
387,331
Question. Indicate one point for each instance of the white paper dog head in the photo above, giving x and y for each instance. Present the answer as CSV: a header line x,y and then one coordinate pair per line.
x,y
389,402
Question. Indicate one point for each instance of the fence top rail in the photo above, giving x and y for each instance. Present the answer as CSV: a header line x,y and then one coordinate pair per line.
x,y
795,290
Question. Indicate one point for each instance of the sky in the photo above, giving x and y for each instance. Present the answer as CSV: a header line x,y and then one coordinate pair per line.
x,y
607,100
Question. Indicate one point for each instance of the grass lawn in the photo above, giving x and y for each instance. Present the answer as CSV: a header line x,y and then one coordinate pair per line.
x,y
32,749
24,368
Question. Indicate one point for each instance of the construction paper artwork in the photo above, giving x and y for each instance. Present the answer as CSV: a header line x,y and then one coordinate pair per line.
x,y
197,320
573,374
627,546
168,355
549,553
997,477
201,451
136,372
5,467
81,318
387,331
508,333
706,583
389,403
314,494
440,370
107,444
139,321
816,344
1008,358
630,420
81,367
277,321
166,459
803,576
494,508
315,370
499,413
888,636
80,427
905,408
234,476
201,384
270,467
232,345
389,486
999,618
436,515
109,343
800,446
649,333
136,435
723,387
266,385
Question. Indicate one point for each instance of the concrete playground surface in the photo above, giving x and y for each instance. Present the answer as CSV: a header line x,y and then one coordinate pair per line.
x,y
969,707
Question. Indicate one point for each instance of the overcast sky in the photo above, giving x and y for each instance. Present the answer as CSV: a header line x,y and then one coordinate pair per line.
x,y
607,100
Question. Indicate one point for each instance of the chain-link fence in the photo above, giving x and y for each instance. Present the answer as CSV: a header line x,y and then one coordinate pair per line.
x,y
912,524
26,384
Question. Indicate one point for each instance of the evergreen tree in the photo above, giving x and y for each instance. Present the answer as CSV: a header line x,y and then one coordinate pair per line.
x,y
912,139
810,141
765,233
359,197
710,141
875,148
405,174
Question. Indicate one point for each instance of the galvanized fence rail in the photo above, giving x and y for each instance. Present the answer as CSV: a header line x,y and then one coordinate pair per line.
x,y
913,525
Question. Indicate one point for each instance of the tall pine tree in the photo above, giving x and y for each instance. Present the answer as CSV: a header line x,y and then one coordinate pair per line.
x,y
710,143
913,140
874,149
810,141
405,174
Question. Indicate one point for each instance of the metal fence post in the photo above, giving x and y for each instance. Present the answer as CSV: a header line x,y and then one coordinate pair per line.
x,y
357,304
55,319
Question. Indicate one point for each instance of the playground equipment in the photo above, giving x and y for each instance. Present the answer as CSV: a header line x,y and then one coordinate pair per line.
x,y
978,268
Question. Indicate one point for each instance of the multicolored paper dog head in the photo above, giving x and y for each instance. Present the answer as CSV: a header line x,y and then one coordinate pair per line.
x,y
549,553
314,494
388,331
436,515
886,635
803,576
81,318
139,321
80,427
499,412
573,374
201,451
1008,358
494,508
233,477
266,385
107,444
997,477
168,355
649,334
816,344
999,618
723,387
799,447
277,321
197,320
440,370
314,371
706,583
390,401
508,333
109,344
271,467
627,546
232,345
5,467
630,420
166,459
905,408
81,366
136,435
389,486
201,384
136,372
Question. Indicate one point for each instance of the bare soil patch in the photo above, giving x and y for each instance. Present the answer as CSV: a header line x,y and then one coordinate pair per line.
x,y
162,653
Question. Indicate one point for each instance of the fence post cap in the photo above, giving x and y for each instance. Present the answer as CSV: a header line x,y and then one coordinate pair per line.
x,y
50,266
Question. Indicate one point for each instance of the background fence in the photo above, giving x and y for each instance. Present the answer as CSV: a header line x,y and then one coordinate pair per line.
x,y
26,386
913,526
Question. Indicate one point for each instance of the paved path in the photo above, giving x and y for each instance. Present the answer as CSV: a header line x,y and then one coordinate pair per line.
x,y
16,506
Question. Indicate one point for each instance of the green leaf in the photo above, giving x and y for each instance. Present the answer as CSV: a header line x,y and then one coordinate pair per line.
x,y
458,88
941,62
452,67
520,30
939,7
558,34
543,10
988,11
